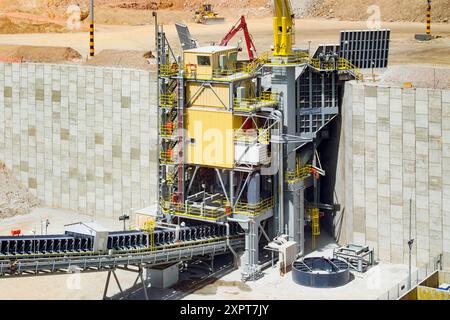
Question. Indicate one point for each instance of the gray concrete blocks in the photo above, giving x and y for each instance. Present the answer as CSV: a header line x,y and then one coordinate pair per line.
x,y
398,149
81,134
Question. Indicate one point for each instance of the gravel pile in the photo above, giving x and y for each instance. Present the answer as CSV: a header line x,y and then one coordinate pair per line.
x,y
15,199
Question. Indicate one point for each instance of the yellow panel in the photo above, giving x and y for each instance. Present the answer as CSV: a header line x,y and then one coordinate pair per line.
x,y
210,137
424,293
202,96
141,219
191,59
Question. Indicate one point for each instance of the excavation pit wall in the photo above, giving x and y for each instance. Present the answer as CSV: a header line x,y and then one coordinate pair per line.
x,y
81,137
394,145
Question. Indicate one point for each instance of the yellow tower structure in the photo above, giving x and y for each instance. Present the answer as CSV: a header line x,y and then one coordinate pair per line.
x,y
284,28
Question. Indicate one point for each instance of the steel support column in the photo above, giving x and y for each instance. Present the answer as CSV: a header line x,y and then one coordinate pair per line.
x,y
284,81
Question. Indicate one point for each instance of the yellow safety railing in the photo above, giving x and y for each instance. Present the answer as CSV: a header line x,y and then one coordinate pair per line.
x,y
321,65
181,209
295,58
168,70
170,177
165,205
299,175
315,224
167,100
166,157
264,136
269,96
252,136
249,104
342,64
149,227
220,74
166,132
248,136
303,57
253,210
347,65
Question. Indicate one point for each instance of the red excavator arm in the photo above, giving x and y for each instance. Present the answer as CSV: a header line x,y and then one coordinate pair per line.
x,y
241,24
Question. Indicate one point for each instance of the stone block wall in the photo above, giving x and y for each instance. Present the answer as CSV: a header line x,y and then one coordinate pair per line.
x,y
395,147
81,137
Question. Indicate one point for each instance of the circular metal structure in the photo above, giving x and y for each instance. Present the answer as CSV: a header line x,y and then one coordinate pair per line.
x,y
320,272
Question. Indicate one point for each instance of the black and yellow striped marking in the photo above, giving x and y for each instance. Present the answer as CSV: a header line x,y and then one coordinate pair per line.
x,y
429,18
91,39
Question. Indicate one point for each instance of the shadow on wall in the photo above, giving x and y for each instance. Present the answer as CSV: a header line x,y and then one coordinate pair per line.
x,y
329,153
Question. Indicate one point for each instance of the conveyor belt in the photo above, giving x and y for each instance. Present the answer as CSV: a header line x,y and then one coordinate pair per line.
x,y
74,244
142,258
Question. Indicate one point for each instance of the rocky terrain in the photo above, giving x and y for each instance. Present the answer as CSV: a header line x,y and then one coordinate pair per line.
x,y
15,199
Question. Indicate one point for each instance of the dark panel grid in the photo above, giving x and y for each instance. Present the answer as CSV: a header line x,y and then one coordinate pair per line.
x,y
317,101
366,48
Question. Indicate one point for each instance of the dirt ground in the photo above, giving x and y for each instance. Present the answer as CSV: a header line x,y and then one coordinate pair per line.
x,y
398,10
125,59
135,12
39,54
404,49
34,15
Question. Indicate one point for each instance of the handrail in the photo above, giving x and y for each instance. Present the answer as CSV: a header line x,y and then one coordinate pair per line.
x,y
167,100
166,157
266,98
166,131
252,136
254,209
181,209
300,174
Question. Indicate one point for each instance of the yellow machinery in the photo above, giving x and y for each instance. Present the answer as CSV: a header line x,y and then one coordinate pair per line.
x,y
284,28
149,226
205,15
315,224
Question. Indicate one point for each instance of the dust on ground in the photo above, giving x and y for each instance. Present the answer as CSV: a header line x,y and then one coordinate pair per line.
x,y
129,12
404,49
10,26
15,199
388,10
233,287
136,12
132,59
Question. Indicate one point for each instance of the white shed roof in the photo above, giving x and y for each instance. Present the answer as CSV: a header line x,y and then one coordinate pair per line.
x,y
148,211
210,49
89,228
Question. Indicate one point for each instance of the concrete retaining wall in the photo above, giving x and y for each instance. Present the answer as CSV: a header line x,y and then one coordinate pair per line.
x,y
80,137
395,146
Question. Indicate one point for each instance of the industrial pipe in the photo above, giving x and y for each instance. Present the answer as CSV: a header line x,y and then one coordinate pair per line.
x,y
227,227
279,114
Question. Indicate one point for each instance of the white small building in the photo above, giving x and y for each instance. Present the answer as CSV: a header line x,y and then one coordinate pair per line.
x,y
97,231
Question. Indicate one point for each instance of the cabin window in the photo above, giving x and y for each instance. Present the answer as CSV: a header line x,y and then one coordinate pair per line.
x,y
204,60
233,57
